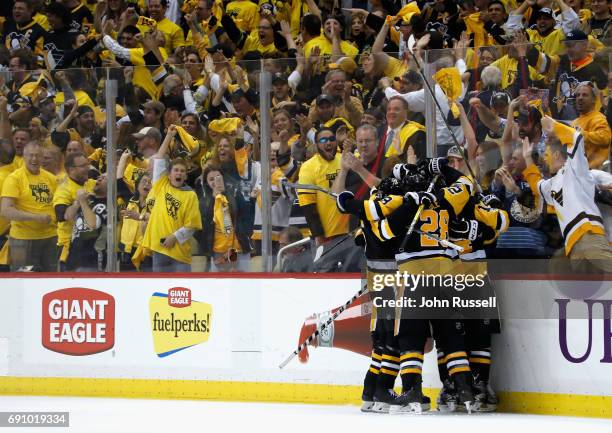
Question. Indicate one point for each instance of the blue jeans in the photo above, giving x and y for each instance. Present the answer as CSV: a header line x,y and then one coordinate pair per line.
x,y
164,263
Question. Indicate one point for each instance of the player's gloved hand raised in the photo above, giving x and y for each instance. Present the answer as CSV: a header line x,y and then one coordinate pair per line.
x,y
432,166
491,200
424,198
342,199
463,229
400,171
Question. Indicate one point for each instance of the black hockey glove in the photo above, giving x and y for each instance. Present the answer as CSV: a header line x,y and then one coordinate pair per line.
x,y
342,199
426,199
463,229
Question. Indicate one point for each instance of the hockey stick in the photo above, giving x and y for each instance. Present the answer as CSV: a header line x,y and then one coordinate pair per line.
x,y
323,326
443,242
417,215
310,187
433,95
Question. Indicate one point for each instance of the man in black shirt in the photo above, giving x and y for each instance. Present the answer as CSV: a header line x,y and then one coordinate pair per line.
x,y
22,31
600,21
574,67
88,246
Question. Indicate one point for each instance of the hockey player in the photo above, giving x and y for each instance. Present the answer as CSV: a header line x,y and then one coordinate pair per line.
x,y
380,260
422,253
478,226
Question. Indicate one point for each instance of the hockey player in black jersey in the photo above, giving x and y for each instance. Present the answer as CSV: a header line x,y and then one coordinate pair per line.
x,y
422,254
479,225
380,260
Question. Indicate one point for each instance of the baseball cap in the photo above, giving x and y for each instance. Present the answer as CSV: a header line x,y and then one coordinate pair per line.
x,y
279,77
323,97
155,105
530,113
222,48
148,131
545,11
410,77
454,152
575,35
84,109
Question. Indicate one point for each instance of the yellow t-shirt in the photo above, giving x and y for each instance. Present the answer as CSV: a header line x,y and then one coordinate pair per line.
x,y
325,47
66,195
245,13
4,172
551,45
174,34
395,68
32,193
509,67
174,208
132,172
318,171
252,43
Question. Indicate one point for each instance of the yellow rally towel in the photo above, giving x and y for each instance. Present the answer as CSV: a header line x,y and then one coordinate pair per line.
x,y
37,89
225,125
476,27
185,145
450,82
4,254
406,12
139,255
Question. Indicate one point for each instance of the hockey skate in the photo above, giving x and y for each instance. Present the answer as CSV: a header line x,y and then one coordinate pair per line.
x,y
382,400
412,401
367,402
447,399
484,396
465,396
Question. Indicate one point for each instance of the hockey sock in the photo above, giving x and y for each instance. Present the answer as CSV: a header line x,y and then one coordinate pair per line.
x,y
480,363
457,362
411,369
369,383
389,368
442,370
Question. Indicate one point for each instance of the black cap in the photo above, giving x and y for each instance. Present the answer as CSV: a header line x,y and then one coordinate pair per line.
x,y
84,109
225,49
576,35
279,77
529,114
546,12
410,77
324,97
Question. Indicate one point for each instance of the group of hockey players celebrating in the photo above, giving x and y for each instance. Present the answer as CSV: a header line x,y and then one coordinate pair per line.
x,y
436,196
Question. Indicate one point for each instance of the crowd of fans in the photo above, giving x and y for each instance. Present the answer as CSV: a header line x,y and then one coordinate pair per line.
x,y
348,99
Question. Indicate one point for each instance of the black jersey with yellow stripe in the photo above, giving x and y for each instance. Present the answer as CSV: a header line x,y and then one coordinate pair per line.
x,y
434,220
491,223
371,212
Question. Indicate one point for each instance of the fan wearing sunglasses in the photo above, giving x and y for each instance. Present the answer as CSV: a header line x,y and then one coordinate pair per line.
x,y
324,220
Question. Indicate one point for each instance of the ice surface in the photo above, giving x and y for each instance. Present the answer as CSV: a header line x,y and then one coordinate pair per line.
x,y
89,415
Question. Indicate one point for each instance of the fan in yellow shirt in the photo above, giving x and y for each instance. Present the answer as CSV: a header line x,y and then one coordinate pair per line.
x,y
245,13
27,196
175,215
174,34
322,215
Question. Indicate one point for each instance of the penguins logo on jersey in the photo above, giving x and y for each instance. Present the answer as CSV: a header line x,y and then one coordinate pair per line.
x,y
172,206
41,193
557,196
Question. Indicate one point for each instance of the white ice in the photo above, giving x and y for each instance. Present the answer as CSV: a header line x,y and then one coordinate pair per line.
x,y
90,415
